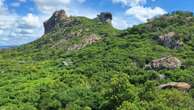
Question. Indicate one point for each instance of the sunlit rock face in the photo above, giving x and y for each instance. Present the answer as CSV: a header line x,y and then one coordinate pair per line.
x,y
164,63
177,85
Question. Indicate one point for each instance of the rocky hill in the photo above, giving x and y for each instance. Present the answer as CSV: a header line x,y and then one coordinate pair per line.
x,y
86,64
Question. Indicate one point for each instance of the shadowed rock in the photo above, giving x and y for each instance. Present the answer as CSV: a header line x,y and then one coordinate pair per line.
x,y
56,18
105,17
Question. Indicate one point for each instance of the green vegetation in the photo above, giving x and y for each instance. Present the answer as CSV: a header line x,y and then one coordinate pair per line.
x,y
107,75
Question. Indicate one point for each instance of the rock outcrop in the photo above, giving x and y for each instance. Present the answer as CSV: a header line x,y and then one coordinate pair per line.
x,y
60,16
105,17
55,19
86,41
170,40
178,85
164,63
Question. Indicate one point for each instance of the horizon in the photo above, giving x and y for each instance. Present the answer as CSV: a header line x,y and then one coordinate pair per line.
x,y
21,21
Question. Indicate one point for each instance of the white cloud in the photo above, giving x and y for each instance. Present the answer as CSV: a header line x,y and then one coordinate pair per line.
x,y
145,13
120,23
1,3
15,29
87,12
130,2
49,6
3,9
32,20
136,9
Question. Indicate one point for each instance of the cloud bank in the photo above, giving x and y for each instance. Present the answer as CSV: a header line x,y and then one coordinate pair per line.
x,y
136,8
15,29
145,13
130,2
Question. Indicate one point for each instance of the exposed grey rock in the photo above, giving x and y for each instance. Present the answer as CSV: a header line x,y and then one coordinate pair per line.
x,y
165,63
105,17
177,85
84,42
55,18
170,40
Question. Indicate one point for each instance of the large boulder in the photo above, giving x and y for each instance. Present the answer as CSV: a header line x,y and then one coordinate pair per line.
x,y
105,17
177,85
55,19
165,63
170,40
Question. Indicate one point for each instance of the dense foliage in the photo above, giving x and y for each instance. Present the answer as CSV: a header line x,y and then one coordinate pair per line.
x,y
107,75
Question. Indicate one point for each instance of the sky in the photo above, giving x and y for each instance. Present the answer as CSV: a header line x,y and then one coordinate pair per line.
x,y
21,21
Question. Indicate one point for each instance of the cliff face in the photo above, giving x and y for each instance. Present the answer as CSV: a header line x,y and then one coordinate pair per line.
x,y
57,17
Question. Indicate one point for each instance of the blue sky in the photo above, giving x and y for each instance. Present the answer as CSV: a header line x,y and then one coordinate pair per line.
x,y
21,20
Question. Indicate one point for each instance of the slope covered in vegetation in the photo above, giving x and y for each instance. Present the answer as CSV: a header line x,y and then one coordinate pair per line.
x,y
84,64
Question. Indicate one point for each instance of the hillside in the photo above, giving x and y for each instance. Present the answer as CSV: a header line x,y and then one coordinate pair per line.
x,y
86,64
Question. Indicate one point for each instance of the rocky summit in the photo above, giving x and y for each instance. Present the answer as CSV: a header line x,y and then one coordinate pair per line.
x,y
57,17
87,64
105,17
